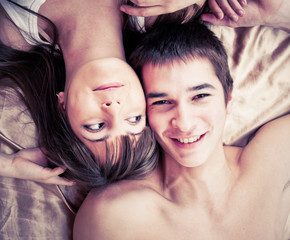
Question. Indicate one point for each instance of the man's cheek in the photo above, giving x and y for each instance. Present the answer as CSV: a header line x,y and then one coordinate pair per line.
x,y
153,122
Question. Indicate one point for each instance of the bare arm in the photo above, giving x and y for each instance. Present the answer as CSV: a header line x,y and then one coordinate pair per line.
x,y
272,13
269,151
101,218
147,8
30,164
122,211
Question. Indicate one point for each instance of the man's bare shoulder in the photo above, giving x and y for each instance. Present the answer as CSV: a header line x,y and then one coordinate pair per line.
x,y
269,150
123,192
106,212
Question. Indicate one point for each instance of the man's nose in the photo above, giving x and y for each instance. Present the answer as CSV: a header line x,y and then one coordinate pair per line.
x,y
182,119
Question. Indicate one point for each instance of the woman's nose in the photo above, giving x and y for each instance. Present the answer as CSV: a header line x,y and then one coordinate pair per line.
x,y
111,103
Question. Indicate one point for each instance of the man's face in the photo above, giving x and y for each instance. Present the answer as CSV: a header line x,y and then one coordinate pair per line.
x,y
186,109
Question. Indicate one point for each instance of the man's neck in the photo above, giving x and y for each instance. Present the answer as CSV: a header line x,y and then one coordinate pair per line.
x,y
210,181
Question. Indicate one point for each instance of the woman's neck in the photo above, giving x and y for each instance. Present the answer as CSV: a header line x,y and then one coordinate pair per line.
x,y
89,38
88,31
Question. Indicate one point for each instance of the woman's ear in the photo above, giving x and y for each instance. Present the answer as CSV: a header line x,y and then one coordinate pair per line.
x,y
229,104
60,97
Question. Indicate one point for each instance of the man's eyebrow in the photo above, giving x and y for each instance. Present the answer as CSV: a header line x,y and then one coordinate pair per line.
x,y
200,87
156,95
194,88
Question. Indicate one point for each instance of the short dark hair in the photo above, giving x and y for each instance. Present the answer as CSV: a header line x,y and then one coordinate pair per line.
x,y
168,42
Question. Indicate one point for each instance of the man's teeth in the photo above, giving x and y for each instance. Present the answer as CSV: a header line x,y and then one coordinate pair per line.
x,y
188,140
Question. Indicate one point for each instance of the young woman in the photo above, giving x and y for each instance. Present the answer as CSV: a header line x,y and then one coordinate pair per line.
x,y
80,58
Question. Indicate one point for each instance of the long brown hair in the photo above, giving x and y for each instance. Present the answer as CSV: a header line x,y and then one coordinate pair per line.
x,y
40,74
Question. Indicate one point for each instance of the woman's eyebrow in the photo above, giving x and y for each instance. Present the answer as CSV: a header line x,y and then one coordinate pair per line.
x,y
135,134
97,140
107,136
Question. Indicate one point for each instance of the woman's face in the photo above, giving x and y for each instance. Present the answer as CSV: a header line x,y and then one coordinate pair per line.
x,y
104,99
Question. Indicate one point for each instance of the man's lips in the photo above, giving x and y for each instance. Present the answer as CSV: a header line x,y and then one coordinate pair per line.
x,y
188,142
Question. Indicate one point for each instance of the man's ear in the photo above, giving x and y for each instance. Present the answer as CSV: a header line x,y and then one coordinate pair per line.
x,y
60,97
229,104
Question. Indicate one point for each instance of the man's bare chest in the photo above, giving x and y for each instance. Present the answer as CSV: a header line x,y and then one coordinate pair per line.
x,y
250,216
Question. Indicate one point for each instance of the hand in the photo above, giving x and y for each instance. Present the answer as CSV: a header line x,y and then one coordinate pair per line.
x,y
258,12
233,9
31,164
147,8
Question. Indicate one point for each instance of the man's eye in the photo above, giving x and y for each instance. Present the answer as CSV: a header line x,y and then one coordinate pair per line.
x,y
161,102
135,119
94,128
200,96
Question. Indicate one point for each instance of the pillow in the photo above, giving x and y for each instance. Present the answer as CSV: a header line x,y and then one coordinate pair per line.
x,y
259,60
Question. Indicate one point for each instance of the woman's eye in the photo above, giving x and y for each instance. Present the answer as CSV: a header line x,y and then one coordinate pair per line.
x,y
161,102
199,96
94,128
135,119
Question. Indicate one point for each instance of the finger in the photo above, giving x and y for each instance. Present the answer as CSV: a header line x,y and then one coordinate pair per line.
x,y
142,11
243,3
228,10
215,9
47,173
60,181
237,7
218,22
51,176
55,171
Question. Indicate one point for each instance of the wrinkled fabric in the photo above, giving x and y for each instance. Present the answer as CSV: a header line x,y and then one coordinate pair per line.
x,y
28,210
259,60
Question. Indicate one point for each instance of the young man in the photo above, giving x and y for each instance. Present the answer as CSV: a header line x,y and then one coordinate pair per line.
x,y
201,189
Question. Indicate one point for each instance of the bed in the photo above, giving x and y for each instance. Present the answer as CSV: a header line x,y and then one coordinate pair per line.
x,y
259,59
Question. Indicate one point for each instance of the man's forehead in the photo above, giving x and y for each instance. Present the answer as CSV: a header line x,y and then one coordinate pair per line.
x,y
190,75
